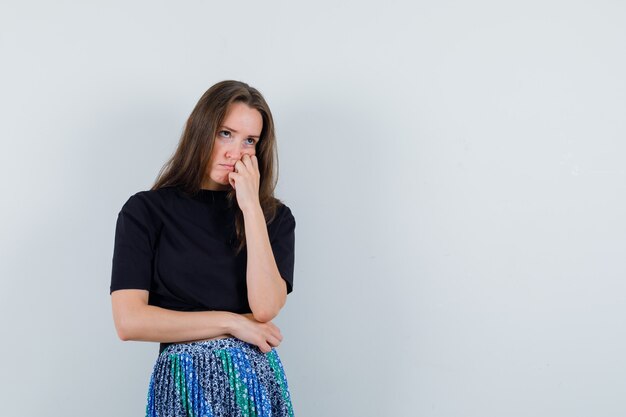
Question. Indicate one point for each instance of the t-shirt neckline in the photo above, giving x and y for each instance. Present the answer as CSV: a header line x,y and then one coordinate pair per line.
x,y
204,194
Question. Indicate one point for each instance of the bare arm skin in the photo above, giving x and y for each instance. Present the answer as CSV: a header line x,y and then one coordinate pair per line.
x,y
267,291
136,320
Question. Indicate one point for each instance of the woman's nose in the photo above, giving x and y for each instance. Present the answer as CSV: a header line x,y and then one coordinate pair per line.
x,y
234,153
237,153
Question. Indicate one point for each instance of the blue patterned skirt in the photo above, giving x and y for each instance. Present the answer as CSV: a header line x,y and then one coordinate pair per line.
x,y
221,377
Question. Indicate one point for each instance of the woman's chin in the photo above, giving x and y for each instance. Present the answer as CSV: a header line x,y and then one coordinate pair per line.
x,y
222,180
226,185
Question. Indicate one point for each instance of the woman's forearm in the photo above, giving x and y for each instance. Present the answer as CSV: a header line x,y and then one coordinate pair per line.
x,y
267,291
155,324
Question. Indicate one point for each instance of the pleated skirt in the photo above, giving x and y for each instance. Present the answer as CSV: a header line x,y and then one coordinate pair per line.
x,y
220,377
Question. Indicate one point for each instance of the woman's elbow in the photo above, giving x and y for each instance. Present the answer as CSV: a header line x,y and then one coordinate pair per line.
x,y
127,307
123,328
265,315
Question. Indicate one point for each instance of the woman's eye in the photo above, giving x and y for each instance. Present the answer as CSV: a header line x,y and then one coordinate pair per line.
x,y
253,141
225,133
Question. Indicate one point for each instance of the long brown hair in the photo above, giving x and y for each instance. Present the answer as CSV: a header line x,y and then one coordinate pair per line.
x,y
187,166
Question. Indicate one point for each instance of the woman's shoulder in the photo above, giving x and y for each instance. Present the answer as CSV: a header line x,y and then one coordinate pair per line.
x,y
149,199
284,210
283,213
162,192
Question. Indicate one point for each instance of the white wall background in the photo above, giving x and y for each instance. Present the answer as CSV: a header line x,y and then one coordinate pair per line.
x,y
456,170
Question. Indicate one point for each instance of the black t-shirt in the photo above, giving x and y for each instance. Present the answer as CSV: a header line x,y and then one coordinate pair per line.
x,y
181,249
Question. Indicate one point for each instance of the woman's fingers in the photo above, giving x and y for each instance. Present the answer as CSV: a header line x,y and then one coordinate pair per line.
x,y
272,336
266,335
244,164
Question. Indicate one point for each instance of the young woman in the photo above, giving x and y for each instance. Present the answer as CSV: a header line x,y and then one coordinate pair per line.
x,y
203,261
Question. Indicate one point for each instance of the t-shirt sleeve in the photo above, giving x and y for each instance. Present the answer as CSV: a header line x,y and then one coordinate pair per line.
x,y
282,239
135,240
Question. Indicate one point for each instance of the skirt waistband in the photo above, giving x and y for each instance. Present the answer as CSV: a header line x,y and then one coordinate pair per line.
x,y
215,343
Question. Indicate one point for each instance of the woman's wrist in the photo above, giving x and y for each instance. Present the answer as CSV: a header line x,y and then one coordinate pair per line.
x,y
253,210
230,322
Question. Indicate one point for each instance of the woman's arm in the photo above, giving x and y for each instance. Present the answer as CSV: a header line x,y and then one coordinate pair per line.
x,y
136,320
267,291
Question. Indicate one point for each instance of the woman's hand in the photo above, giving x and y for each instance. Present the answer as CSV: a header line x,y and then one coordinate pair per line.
x,y
245,179
263,335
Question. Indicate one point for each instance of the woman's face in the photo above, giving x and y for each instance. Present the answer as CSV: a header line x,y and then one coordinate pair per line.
x,y
238,135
